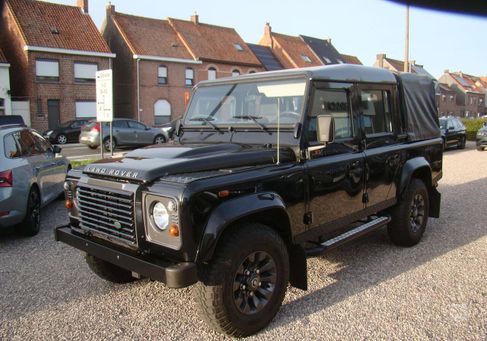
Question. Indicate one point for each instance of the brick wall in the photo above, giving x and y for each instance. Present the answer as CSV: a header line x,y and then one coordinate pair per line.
x,y
67,91
446,105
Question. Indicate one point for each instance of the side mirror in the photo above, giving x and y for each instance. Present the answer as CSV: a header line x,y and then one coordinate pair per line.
x,y
325,129
56,149
179,128
147,128
297,130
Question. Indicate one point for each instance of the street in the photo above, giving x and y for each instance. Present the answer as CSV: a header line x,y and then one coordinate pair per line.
x,y
78,152
370,289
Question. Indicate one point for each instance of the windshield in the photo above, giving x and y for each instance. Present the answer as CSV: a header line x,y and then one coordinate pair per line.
x,y
443,124
263,104
65,124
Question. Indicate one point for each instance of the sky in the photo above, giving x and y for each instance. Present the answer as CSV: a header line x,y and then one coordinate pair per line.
x,y
363,28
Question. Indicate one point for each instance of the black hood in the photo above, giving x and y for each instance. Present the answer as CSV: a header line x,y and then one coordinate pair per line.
x,y
148,164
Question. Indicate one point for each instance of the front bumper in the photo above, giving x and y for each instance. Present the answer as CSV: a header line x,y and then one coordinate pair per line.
x,y
174,275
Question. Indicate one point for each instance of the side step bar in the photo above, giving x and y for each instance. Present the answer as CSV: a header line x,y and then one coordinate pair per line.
x,y
359,231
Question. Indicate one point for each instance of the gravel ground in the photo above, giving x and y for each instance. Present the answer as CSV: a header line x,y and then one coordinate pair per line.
x,y
367,290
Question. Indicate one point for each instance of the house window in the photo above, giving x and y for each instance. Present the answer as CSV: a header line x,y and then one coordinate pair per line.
x,y
162,75
235,73
451,98
443,98
238,47
340,61
306,58
85,109
47,70
2,106
189,75
39,108
211,73
327,60
162,112
252,71
85,72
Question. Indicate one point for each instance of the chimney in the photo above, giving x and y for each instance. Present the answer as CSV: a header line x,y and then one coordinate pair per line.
x,y
267,38
328,40
380,59
446,71
83,4
195,18
110,9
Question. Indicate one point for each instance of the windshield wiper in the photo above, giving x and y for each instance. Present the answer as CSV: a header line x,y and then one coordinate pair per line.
x,y
253,118
207,120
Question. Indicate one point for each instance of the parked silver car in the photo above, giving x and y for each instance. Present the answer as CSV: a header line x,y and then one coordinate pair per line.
x,y
126,132
31,175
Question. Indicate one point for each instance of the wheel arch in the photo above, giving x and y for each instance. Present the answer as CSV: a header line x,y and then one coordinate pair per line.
x,y
266,208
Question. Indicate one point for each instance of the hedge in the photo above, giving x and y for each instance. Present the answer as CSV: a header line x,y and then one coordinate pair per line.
x,y
472,126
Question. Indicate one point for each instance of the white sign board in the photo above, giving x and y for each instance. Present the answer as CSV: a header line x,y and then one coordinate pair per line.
x,y
104,96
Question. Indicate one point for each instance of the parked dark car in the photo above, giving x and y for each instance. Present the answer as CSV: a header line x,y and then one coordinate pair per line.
x,y
67,132
266,170
453,132
482,138
126,132
11,119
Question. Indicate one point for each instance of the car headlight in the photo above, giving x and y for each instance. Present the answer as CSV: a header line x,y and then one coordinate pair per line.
x,y
160,215
48,133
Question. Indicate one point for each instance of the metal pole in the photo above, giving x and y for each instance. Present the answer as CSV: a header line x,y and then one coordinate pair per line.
x,y
138,91
406,51
111,139
101,140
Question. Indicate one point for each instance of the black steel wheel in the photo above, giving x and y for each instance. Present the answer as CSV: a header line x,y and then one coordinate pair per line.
x,y
410,215
242,288
61,139
31,224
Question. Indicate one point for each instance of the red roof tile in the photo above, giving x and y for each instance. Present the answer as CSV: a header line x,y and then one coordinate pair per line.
x,y
349,59
152,37
296,50
38,20
468,82
214,43
2,57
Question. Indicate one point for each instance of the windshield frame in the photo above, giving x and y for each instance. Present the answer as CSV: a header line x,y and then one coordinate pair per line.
x,y
249,124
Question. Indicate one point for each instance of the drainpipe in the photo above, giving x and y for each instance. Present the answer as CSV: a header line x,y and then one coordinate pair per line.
x,y
138,90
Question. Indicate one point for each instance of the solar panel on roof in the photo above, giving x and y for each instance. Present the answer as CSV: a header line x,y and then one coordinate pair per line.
x,y
266,57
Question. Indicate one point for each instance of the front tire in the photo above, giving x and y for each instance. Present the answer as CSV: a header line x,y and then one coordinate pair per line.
x,y
159,139
243,287
61,139
410,215
92,147
462,143
31,224
108,271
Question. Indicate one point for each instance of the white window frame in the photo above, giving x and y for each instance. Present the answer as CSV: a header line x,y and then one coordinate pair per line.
x,y
189,77
210,71
47,70
306,58
166,114
85,72
162,78
235,73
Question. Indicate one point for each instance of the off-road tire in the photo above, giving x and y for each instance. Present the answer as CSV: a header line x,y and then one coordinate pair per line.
x,y
404,229
108,271
215,293
31,224
462,143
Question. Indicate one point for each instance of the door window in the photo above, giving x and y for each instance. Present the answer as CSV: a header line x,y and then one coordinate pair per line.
x,y
119,124
376,112
27,142
44,146
336,104
136,125
11,147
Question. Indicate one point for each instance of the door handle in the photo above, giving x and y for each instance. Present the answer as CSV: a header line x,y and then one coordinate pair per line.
x,y
355,165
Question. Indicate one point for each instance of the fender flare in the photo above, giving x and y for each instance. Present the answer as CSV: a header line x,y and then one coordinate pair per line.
x,y
233,210
409,168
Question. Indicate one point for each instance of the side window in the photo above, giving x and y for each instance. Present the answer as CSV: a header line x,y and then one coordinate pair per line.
x,y
136,125
376,111
77,124
450,124
336,104
11,147
28,144
43,145
119,124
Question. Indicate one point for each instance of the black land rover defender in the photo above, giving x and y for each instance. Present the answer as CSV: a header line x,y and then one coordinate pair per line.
x,y
266,170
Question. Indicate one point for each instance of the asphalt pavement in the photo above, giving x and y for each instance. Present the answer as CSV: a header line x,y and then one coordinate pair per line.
x,y
79,152
369,290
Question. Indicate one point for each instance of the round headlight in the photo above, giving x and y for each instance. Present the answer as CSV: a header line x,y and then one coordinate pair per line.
x,y
160,216
76,198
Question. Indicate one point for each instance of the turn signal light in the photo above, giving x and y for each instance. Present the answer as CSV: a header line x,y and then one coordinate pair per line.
x,y
69,204
6,178
223,194
174,230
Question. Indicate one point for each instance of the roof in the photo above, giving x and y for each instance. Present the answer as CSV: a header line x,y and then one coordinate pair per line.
x,y
2,57
150,37
213,43
296,50
337,72
349,59
44,24
266,57
324,50
398,65
467,82
445,87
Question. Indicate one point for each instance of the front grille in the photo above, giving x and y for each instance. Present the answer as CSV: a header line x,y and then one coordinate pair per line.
x,y
107,211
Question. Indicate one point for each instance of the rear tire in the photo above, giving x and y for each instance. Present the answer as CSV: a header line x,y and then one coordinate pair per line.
x,y
92,147
242,288
461,144
108,271
410,215
106,144
31,224
61,139
480,149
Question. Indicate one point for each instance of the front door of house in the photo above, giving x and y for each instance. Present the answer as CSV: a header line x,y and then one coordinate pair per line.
x,y
53,113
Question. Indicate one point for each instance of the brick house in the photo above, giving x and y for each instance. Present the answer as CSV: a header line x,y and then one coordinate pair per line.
x,y
5,104
396,65
446,101
470,92
54,51
302,51
159,61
